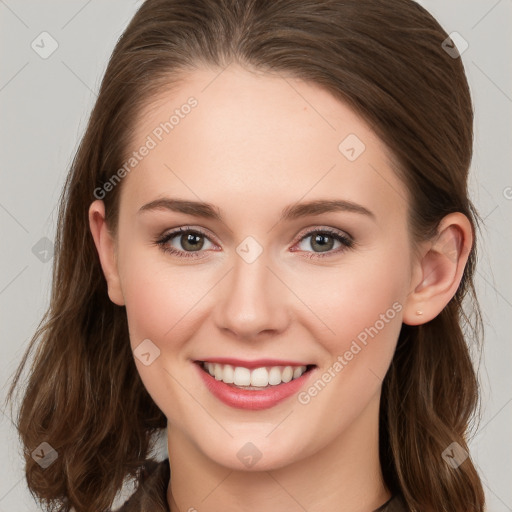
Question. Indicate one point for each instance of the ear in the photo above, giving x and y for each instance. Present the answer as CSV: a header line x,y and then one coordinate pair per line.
x,y
439,269
106,247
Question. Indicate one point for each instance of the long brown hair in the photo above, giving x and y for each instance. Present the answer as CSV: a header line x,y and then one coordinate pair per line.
x,y
386,59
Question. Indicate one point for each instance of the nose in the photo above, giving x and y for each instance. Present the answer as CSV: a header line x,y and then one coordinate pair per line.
x,y
252,300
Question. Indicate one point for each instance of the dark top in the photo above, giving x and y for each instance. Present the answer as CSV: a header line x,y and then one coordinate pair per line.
x,y
151,495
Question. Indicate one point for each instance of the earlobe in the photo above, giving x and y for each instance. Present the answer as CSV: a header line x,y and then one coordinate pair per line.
x,y
105,245
439,270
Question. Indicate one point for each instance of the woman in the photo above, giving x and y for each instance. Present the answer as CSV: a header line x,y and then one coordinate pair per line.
x,y
264,243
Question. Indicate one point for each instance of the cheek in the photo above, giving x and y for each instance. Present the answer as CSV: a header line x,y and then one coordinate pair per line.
x,y
161,304
365,312
157,291
361,303
158,302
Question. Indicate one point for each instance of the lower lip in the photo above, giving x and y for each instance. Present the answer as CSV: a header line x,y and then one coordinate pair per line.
x,y
252,399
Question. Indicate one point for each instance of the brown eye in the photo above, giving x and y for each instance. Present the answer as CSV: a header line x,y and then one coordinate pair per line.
x,y
324,241
183,242
192,241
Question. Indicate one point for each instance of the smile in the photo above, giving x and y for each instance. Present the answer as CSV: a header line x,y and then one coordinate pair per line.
x,y
262,386
255,378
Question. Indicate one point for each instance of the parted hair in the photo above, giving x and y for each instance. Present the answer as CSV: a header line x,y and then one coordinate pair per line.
x,y
386,59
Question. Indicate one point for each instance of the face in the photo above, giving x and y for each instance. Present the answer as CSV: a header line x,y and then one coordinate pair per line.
x,y
264,281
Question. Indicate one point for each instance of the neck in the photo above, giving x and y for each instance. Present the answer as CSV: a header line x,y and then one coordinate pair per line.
x,y
344,476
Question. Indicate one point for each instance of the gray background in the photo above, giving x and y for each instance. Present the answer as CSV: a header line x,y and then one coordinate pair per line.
x,y
45,104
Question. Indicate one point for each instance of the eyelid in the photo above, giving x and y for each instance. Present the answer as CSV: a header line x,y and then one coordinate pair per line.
x,y
185,229
311,230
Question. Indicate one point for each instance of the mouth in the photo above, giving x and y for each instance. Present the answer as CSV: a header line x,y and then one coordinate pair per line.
x,y
256,377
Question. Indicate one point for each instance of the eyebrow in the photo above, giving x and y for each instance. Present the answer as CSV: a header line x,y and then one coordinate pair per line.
x,y
291,212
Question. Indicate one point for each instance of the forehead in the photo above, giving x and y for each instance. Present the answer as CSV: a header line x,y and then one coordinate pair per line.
x,y
239,138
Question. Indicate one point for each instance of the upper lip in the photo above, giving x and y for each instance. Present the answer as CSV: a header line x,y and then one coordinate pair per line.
x,y
257,363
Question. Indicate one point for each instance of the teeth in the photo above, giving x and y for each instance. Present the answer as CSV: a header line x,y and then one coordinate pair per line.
x,y
287,374
274,376
258,377
242,375
228,374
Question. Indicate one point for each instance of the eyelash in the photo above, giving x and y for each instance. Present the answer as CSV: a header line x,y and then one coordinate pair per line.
x,y
162,241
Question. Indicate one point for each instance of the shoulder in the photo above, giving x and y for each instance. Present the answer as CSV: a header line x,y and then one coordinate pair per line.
x,y
151,494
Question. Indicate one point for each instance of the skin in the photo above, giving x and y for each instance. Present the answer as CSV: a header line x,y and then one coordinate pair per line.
x,y
255,144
